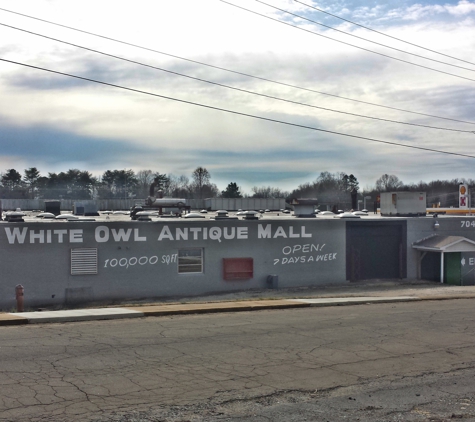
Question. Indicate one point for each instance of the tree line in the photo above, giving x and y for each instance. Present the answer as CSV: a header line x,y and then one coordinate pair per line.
x,y
328,188
112,184
119,184
335,188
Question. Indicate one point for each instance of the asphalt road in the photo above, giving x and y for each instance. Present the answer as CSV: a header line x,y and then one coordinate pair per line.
x,y
385,362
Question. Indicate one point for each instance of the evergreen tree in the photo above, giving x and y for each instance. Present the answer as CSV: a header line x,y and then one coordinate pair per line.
x,y
231,191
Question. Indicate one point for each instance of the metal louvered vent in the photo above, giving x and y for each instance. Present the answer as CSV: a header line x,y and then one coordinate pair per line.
x,y
83,261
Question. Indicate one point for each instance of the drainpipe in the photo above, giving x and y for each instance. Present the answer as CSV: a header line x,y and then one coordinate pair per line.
x,y
442,267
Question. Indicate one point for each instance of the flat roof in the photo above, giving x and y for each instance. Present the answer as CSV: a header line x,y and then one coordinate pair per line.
x,y
122,216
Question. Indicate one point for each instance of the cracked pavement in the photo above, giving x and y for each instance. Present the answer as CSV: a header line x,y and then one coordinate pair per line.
x,y
399,361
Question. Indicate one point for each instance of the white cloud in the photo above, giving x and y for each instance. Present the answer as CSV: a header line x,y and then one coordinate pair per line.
x,y
419,11
221,35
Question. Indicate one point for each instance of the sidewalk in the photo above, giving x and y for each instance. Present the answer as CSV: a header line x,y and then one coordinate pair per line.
x,y
353,294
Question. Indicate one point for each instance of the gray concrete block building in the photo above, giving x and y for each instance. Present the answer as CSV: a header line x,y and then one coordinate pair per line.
x,y
113,258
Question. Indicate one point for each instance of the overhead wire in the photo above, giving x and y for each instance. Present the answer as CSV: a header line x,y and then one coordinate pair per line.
x,y
234,71
231,87
364,39
349,44
383,33
237,112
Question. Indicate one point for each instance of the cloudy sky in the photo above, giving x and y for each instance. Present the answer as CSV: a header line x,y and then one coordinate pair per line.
x,y
189,83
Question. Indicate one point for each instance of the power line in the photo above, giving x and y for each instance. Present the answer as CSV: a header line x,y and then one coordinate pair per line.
x,y
346,43
234,71
231,87
364,39
382,33
237,112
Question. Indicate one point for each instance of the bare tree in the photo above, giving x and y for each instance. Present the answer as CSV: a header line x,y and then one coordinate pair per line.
x,y
178,187
388,183
144,180
268,192
201,178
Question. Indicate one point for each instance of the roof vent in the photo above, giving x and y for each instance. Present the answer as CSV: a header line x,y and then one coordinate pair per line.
x,y
223,215
346,215
15,216
250,215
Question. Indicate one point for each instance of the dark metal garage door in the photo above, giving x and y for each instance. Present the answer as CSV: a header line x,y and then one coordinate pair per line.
x,y
375,250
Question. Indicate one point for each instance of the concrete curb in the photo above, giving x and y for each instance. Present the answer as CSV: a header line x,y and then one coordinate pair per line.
x,y
347,301
12,319
9,319
444,297
201,308
79,315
